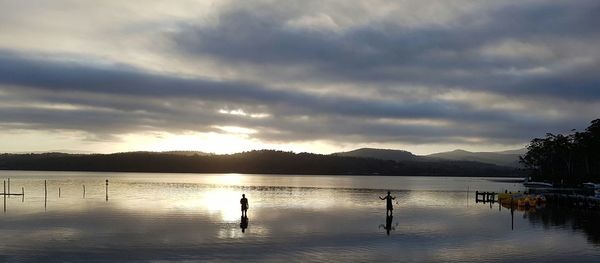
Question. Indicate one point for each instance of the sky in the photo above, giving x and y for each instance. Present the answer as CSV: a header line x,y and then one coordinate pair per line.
x,y
317,76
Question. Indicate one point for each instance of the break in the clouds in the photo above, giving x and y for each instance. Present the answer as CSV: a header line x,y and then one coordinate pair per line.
x,y
412,74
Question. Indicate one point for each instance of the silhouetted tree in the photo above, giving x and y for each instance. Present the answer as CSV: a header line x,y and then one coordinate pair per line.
x,y
567,159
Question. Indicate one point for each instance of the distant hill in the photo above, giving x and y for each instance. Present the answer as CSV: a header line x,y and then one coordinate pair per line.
x,y
504,158
56,151
185,153
508,158
253,162
383,154
517,151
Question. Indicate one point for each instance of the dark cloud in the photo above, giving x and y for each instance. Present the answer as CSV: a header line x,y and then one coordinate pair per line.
x,y
115,100
447,56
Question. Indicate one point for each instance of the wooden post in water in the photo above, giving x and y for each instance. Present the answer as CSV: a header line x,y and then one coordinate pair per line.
x,y
512,214
467,195
106,190
83,191
4,196
22,194
59,192
45,195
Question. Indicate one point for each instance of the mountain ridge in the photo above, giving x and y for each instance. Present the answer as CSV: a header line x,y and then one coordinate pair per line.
x,y
383,154
509,158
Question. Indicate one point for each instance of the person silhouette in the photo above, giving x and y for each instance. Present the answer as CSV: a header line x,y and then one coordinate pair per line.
x,y
244,203
244,223
389,206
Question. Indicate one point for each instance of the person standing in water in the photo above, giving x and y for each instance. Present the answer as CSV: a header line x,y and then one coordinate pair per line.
x,y
389,206
244,203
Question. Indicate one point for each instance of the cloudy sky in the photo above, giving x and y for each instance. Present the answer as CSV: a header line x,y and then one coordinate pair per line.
x,y
320,76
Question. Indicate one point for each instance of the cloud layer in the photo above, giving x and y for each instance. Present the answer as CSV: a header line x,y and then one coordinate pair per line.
x,y
402,73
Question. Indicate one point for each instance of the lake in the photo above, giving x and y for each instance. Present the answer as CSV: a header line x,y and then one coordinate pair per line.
x,y
196,217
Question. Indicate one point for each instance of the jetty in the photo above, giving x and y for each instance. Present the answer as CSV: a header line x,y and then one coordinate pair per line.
x,y
485,197
567,197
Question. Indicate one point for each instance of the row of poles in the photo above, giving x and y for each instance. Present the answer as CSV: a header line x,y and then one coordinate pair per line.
x,y
22,194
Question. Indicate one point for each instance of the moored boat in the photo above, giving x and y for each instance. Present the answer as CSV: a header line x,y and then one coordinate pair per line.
x,y
509,197
532,201
540,199
594,187
523,202
537,184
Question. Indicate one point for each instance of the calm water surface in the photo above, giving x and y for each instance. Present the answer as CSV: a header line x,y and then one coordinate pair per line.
x,y
196,217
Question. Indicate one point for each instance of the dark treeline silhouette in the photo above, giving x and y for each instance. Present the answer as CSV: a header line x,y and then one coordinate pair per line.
x,y
261,162
565,159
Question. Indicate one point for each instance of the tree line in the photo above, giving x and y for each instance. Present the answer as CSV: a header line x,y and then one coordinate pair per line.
x,y
569,159
254,162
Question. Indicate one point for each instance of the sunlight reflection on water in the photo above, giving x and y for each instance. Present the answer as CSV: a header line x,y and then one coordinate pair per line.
x,y
222,201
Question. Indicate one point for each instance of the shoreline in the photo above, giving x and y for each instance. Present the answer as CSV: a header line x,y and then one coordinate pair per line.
x,y
508,180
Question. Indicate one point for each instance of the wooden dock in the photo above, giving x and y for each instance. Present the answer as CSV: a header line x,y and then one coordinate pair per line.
x,y
485,197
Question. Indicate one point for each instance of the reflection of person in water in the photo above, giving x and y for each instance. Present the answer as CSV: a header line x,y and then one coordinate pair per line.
x,y
389,206
388,224
244,203
244,223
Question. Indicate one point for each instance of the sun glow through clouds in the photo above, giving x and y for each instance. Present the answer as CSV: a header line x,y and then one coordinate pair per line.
x,y
240,112
210,142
